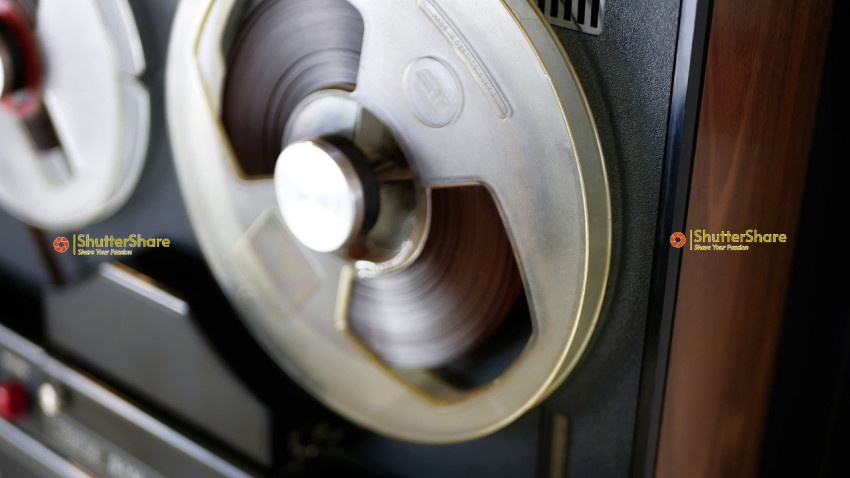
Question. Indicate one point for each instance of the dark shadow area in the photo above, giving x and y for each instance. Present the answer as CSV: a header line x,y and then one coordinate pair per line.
x,y
808,425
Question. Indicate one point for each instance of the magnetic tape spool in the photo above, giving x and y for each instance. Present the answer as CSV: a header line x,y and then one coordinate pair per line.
x,y
421,316
488,172
74,120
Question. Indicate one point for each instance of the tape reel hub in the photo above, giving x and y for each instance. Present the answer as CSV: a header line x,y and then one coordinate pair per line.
x,y
322,193
20,61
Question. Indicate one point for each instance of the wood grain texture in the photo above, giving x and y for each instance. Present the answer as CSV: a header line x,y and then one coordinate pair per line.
x,y
759,102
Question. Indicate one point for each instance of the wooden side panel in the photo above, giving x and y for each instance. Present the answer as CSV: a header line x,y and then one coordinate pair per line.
x,y
761,88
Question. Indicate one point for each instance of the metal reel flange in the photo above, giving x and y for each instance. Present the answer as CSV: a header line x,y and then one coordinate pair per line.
x,y
74,126
473,92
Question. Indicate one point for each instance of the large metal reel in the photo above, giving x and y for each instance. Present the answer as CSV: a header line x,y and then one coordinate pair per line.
x,y
77,158
519,126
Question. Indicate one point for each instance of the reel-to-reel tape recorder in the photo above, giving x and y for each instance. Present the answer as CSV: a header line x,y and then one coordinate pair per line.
x,y
430,228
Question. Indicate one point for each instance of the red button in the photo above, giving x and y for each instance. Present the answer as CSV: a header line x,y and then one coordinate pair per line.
x,y
13,400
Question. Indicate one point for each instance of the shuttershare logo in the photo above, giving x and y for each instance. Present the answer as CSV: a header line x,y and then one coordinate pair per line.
x,y
726,241
61,244
678,240
86,245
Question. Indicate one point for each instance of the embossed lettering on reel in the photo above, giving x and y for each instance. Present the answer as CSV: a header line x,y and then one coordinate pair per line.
x,y
465,193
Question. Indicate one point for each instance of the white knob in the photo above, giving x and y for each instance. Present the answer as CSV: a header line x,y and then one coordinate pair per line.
x,y
320,194
2,78
4,57
50,399
7,71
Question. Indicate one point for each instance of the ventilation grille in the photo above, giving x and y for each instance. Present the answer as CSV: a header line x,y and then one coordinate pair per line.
x,y
583,15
